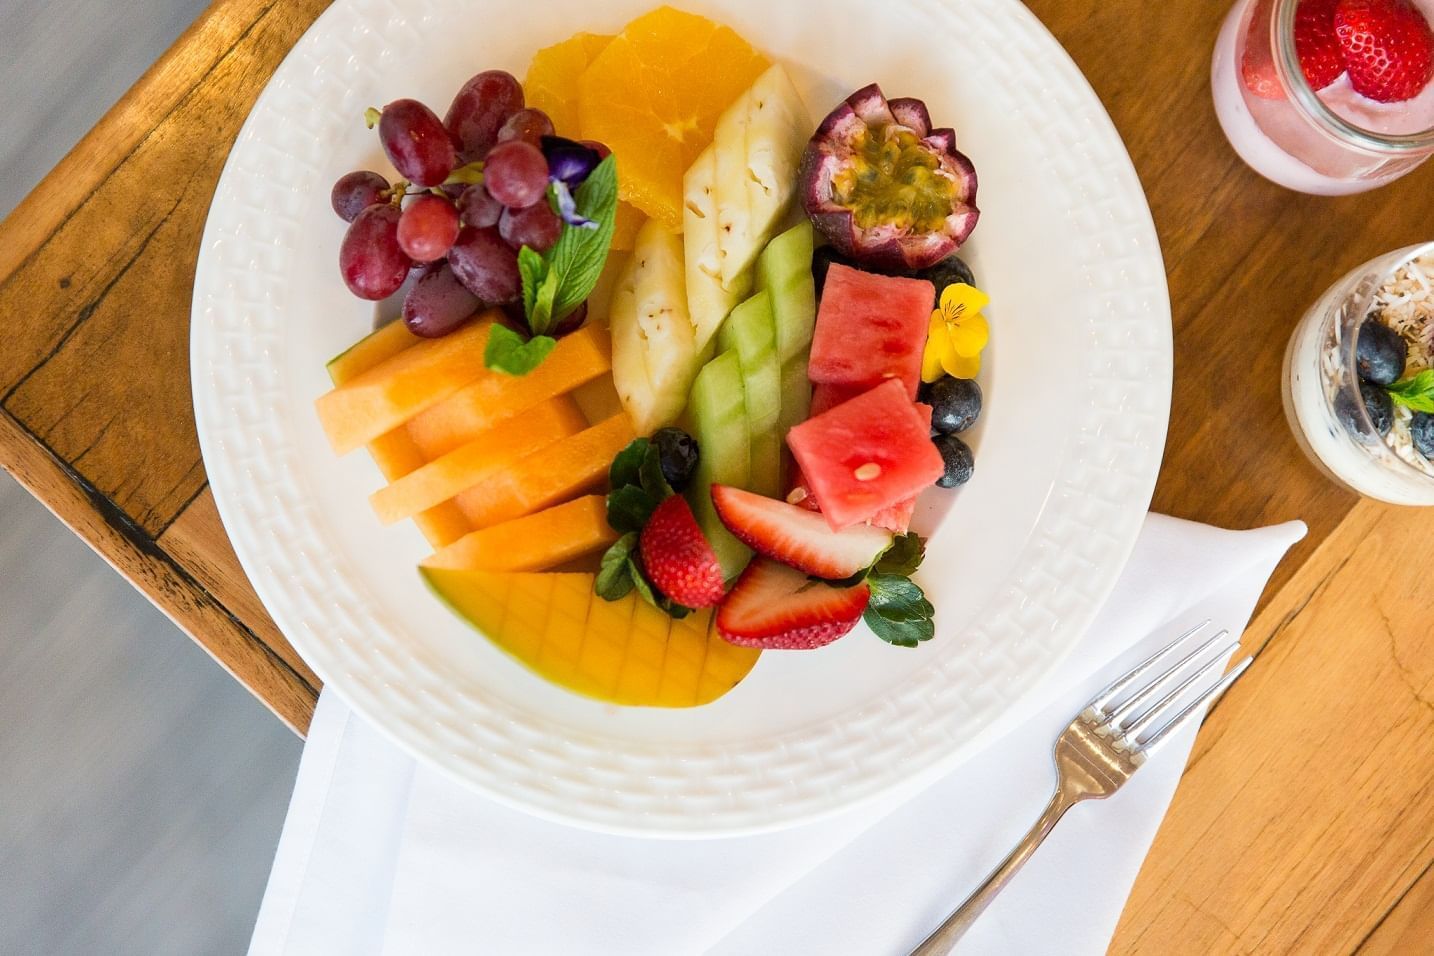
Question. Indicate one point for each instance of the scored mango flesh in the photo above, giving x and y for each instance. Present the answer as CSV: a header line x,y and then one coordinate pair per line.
x,y
893,179
622,652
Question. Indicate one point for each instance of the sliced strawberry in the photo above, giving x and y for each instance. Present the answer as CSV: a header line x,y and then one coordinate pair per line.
x,y
1321,59
677,558
1387,46
779,608
796,536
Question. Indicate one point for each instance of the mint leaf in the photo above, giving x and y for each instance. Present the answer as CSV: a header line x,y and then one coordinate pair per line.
x,y
628,508
579,254
1416,392
903,557
507,352
532,270
626,467
653,481
613,579
898,611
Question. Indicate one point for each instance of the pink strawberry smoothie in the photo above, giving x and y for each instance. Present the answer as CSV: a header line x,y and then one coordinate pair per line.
x,y
1279,141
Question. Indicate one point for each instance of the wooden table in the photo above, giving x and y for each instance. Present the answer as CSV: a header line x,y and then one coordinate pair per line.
x,y
1305,823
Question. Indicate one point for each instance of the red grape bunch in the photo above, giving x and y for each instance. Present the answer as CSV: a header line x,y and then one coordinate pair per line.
x,y
473,190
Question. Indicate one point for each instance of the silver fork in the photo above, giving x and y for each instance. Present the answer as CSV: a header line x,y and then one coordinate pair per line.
x,y
1106,743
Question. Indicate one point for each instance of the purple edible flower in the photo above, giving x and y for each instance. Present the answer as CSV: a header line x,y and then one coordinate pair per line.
x,y
569,163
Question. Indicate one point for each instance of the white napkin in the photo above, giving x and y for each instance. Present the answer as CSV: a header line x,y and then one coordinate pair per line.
x,y
381,856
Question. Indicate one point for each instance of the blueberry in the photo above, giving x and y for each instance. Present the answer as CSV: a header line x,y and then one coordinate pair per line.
x,y
1377,404
1421,430
1380,353
948,271
960,463
955,403
677,453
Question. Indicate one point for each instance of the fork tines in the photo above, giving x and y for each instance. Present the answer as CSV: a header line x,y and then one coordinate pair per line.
x,y
1124,709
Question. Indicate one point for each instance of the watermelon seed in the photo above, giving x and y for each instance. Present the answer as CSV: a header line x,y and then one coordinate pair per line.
x,y
867,472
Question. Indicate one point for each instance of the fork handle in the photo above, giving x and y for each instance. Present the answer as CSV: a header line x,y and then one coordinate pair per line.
x,y
943,940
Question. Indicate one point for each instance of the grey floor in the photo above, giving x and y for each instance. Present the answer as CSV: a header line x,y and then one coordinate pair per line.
x,y
141,789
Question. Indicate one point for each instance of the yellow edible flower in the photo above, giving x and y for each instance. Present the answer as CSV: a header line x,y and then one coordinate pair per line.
x,y
957,334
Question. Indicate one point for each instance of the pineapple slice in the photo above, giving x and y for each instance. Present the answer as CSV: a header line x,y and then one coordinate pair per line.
x,y
629,351
777,130
734,214
757,175
707,301
662,319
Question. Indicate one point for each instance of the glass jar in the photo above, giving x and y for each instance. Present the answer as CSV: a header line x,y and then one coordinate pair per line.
x,y
1328,142
1322,396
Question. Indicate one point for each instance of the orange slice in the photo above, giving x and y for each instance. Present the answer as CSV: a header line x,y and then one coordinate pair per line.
x,y
653,96
552,86
552,81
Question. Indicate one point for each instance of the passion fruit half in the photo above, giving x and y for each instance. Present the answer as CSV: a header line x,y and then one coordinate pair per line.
x,y
886,188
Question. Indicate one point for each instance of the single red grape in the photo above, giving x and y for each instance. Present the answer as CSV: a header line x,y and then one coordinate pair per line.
x,y
480,108
370,259
487,265
535,226
516,173
416,142
438,303
529,125
354,192
478,208
427,228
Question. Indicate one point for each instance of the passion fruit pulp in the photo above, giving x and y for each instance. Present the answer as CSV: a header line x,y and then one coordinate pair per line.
x,y
884,187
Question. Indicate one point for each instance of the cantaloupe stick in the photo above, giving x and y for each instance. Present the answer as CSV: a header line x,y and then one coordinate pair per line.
x,y
393,391
494,397
623,652
493,450
536,542
381,344
548,475
395,452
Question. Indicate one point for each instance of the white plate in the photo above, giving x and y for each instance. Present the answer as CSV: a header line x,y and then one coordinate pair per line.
x,y
1077,385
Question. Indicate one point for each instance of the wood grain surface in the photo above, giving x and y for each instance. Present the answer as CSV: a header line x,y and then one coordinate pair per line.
x,y
1304,824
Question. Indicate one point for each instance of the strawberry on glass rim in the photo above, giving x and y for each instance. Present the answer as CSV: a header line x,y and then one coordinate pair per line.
x,y
1328,97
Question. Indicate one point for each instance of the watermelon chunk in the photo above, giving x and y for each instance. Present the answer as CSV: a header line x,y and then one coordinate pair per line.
x,y
867,454
830,396
896,519
870,328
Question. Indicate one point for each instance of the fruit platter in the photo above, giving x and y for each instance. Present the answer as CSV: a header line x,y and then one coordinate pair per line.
x,y
645,407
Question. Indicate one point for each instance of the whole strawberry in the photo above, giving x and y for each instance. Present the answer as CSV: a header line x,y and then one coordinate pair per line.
x,y
1387,47
677,558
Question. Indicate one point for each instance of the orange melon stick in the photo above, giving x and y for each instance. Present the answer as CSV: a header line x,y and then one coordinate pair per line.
x,y
395,452
390,393
535,542
622,652
548,475
489,452
493,397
